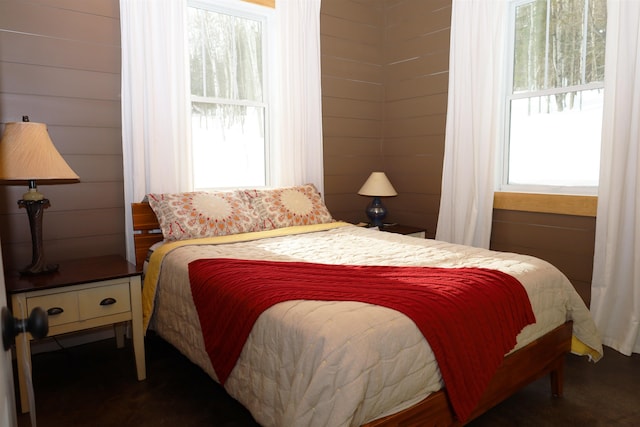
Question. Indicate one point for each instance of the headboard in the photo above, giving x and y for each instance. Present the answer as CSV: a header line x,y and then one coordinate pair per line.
x,y
146,230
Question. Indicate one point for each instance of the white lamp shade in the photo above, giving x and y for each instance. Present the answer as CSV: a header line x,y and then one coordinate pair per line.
x,y
378,185
27,153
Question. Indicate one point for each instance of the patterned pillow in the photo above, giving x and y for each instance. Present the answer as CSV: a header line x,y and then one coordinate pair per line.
x,y
203,214
289,206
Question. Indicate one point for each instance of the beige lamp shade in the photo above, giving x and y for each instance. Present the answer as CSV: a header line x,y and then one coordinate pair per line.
x,y
27,154
378,185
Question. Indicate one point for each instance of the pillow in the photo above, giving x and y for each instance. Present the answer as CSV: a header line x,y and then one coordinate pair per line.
x,y
289,206
203,214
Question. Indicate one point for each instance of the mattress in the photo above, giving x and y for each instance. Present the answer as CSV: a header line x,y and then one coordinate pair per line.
x,y
321,363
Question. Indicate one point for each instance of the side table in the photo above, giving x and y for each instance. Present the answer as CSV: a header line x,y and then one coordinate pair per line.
x,y
82,294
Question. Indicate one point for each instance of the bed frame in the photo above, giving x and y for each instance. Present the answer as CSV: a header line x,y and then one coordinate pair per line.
x,y
544,356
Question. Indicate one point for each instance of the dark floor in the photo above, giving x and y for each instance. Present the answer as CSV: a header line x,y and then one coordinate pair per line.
x,y
95,385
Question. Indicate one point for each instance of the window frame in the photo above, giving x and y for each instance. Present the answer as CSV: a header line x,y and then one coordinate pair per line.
x,y
508,95
266,15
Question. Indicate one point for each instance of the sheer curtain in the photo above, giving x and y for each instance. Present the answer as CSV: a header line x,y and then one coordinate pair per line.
x,y
615,290
155,101
476,70
299,104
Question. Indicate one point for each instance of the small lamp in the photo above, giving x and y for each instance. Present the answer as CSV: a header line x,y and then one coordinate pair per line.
x,y
27,155
377,185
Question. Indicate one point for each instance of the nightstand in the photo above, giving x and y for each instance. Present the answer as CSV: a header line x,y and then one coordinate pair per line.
x,y
82,294
407,230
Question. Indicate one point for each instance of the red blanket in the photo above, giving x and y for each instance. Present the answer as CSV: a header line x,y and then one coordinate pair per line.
x,y
469,316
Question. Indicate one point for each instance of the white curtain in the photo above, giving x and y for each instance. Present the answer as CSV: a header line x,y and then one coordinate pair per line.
x,y
615,291
299,103
155,101
476,70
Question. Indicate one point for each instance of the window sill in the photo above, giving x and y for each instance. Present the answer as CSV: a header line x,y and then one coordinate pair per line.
x,y
547,203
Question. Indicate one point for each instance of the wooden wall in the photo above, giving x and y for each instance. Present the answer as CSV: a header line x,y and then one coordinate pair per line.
x,y
352,101
565,241
60,65
416,63
384,84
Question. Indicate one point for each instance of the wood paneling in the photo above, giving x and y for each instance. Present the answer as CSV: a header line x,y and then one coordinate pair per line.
x,y
417,106
346,29
340,68
58,20
349,88
416,52
418,86
60,65
356,12
70,54
414,48
60,111
566,241
384,67
408,19
352,108
352,99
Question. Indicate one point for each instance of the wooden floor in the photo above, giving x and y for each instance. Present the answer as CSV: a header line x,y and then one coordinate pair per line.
x,y
95,385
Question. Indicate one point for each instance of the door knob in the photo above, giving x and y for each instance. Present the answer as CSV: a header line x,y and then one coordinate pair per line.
x,y
37,324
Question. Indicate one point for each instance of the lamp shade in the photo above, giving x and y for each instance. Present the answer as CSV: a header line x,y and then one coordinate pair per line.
x,y
27,154
377,185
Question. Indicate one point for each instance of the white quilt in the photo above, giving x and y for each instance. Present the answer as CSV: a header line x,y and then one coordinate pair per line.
x,y
314,363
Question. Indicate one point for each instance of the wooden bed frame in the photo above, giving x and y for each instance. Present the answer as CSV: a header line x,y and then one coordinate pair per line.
x,y
544,356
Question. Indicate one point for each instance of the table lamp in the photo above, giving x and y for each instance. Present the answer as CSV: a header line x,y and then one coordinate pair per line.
x,y
377,185
27,155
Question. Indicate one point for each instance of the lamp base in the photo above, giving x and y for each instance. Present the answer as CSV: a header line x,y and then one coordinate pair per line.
x,y
34,270
376,212
35,210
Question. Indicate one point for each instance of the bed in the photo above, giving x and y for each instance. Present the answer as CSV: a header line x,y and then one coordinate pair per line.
x,y
402,384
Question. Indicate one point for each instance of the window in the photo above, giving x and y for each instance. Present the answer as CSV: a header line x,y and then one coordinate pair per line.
x,y
555,96
229,94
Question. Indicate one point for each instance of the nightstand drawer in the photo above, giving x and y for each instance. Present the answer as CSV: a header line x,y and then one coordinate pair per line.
x,y
104,301
61,307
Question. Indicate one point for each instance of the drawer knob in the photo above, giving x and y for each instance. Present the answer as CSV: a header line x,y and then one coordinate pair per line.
x,y
55,310
108,301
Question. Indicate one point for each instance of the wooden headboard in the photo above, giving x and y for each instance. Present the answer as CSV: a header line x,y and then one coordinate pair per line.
x,y
146,230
